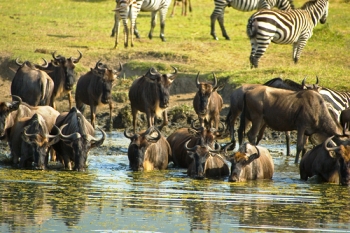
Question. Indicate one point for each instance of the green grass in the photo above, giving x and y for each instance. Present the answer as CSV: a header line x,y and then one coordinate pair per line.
x,y
32,29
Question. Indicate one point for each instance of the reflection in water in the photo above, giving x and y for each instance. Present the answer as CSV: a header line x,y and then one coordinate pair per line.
x,y
108,197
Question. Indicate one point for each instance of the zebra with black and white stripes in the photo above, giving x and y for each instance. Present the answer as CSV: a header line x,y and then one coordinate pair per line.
x,y
130,9
243,5
284,27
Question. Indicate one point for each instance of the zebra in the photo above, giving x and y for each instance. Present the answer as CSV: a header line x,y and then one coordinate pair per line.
x,y
130,9
243,5
284,27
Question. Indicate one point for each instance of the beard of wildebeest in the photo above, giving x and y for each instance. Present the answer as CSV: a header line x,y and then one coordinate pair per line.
x,y
106,91
80,147
204,100
163,88
70,77
136,157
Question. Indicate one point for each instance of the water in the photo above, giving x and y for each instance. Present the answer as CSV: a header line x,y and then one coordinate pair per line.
x,y
110,198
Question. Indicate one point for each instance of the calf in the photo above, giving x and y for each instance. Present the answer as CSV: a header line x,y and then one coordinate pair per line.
x,y
207,103
250,163
94,88
329,161
206,162
148,150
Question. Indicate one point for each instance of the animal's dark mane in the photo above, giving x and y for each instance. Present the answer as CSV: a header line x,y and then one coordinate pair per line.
x,y
284,84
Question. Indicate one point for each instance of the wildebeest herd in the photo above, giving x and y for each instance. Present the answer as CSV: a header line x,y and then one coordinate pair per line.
x,y
34,129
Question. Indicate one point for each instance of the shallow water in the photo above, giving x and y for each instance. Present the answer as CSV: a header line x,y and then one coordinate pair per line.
x,y
110,198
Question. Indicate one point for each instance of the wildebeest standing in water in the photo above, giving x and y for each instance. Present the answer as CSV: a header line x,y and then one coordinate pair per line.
x,y
207,103
150,94
195,136
250,163
148,150
61,70
77,138
327,162
31,84
284,110
30,141
94,88
207,162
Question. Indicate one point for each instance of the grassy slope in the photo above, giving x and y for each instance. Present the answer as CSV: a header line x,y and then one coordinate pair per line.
x,y
67,25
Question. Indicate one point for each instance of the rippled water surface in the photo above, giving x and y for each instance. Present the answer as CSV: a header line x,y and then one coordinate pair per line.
x,y
110,198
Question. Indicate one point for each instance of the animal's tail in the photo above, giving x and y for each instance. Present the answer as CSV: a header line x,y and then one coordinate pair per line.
x,y
252,27
228,121
241,130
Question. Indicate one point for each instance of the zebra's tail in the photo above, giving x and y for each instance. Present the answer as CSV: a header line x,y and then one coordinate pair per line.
x,y
252,27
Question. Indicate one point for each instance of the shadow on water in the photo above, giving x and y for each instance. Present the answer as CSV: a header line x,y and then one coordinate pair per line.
x,y
108,197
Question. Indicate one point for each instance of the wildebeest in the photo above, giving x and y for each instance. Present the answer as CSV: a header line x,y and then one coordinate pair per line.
x,y
94,88
207,162
207,103
148,150
250,163
184,7
150,94
285,110
236,102
195,136
329,162
10,112
30,141
31,84
77,138
61,70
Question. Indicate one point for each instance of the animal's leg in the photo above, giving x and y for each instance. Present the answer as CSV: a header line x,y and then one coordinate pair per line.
x,y
258,49
261,134
189,5
298,48
116,27
213,19
165,118
300,144
162,17
184,8
70,99
173,11
136,32
288,142
126,34
253,132
92,114
134,114
222,26
153,24
116,22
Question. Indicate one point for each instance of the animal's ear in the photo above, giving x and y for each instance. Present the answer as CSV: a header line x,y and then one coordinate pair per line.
x,y
219,87
251,158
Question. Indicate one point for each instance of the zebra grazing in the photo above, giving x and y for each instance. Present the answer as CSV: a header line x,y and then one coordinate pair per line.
x,y
130,9
243,5
284,27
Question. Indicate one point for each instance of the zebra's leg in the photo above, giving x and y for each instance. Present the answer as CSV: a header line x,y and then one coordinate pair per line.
x,y
116,27
126,34
136,32
153,24
260,48
298,48
132,34
213,18
222,26
162,17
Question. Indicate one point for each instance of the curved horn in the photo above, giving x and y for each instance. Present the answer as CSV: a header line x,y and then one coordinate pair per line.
x,y
330,148
18,98
316,79
193,127
222,128
17,62
215,81
97,142
227,146
54,136
71,137
25,132
120,67
76,60
44,66
217,150
173,75
150,71
303,83
197,79
127,135
56,58
149,137
190,149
